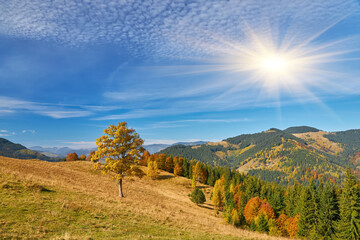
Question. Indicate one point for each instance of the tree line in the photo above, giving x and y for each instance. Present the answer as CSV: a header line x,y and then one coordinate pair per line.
x,y
314,210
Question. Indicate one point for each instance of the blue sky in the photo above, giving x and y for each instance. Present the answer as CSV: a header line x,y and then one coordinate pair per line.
x,y
176,70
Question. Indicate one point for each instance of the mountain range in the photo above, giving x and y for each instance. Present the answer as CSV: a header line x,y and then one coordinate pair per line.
x,y
63,151
13,150
284,156
296,153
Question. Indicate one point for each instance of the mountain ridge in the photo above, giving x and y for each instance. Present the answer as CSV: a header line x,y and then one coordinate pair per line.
x,y
15,150
293,154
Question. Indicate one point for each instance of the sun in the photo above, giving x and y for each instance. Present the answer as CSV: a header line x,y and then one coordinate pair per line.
x,y
274,64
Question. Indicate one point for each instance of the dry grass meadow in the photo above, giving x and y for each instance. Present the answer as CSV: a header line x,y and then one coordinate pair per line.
x,y
69,200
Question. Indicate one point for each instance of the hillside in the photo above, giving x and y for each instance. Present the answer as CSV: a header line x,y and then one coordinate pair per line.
x,y
10,149
297,153
70,200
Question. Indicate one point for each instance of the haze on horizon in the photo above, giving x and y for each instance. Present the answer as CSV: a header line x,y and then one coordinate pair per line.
x,y
176,70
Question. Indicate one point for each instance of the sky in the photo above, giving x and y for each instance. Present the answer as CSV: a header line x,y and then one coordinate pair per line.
x,y
176,70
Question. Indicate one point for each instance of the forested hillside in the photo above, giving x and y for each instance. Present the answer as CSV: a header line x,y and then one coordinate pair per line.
x,y
297,153
311,210
10,149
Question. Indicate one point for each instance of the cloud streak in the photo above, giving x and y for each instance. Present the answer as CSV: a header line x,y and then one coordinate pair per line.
x,y
57,111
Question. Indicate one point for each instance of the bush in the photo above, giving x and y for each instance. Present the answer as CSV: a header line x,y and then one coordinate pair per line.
x,y
197,196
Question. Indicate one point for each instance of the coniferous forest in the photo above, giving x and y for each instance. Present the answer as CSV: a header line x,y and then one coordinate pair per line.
x,y
312,210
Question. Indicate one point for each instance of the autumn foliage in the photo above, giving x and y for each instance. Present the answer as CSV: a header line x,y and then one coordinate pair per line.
x,y
255,207
72,157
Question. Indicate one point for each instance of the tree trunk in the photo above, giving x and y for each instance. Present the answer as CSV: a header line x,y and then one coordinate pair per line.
x,y
120,189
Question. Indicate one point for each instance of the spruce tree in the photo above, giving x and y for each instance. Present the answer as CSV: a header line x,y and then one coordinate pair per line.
x,y
307,221
349,225
262,223
328,212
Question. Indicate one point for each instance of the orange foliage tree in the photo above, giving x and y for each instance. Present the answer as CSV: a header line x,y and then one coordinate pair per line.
x,y
169,164
72,157
267,209
255,207
291,225
252,209
121,148
280,223
178,171
144,158
88,158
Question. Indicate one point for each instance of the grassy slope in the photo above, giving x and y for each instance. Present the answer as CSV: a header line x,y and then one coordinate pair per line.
x,y
68,200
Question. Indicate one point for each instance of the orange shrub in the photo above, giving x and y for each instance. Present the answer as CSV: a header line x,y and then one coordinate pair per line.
x,y
252,209
267,209
72,157
291,225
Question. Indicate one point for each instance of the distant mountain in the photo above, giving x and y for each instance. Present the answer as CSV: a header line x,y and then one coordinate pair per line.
x,y
154,148
61,152
301,129
296,153
13,150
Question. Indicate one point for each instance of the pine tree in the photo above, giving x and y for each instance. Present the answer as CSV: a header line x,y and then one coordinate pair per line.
x,y
197,196
185,169
262,223
235,218
328,212
307,221
349,225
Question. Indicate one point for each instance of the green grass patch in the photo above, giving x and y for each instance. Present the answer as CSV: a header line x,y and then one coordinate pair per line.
x,y
33,211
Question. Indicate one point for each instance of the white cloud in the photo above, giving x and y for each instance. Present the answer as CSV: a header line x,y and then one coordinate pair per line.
x,y
168,141
159,27
81,144
28,131
187,122
12,105
3,131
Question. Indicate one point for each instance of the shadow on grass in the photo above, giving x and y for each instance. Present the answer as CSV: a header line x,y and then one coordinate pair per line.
x,y
206,206
163,177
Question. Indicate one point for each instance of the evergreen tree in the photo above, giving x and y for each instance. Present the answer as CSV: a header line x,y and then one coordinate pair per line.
x,y
307,221
349,225
328,212
185,169
262,223
197,196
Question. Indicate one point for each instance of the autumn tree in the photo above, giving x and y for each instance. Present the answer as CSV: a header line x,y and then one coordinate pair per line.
x,y
169,164
144,158
252,209
120,148
178,170
82,157
291,225
72,157
88,158
218,193
255,207
152,171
